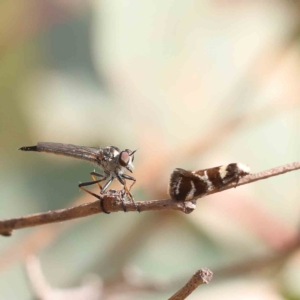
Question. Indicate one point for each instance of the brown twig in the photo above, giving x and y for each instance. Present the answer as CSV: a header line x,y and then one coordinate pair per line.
x,y
113,204
202,276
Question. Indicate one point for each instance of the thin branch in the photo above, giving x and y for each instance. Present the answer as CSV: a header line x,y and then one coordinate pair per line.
x,y
114,204
202,276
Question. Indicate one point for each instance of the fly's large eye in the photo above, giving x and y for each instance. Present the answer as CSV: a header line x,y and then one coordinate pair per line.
x,y
124,158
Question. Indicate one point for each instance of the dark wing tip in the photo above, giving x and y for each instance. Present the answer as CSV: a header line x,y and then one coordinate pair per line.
x,y
174,179
29,148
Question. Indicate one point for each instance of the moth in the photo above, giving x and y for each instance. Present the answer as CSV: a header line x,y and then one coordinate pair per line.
x,y
187,185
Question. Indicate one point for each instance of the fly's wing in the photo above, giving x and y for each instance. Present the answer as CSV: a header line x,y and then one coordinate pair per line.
x,y
90,154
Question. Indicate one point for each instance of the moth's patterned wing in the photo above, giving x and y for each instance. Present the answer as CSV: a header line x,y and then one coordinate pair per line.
x,y
185,185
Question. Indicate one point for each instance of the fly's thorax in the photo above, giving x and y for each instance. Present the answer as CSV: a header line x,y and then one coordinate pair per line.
x,y
112,165
115,161
108,161
110,152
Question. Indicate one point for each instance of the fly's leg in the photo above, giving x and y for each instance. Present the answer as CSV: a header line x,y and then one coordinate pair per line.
x,y
122,181
94,175
107,184
130,178
81,186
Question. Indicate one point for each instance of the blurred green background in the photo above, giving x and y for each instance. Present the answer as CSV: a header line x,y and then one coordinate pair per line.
x,y
191,84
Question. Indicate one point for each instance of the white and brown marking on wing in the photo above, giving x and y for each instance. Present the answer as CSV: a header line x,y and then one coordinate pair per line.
x,y
205,178
186,185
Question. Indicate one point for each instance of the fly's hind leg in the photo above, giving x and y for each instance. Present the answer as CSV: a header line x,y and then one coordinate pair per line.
x,y
96,174
81,186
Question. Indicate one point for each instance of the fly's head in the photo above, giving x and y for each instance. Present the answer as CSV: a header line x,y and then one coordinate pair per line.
x,y
126,158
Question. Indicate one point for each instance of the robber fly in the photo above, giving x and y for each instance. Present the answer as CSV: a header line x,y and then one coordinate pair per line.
x,y
111,160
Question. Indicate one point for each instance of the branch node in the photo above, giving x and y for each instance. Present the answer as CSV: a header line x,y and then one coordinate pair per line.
x,y
202,276
189,206
205,275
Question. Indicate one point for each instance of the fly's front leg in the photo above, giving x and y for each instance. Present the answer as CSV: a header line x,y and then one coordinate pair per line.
x,y
124,184
125,176
130,178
